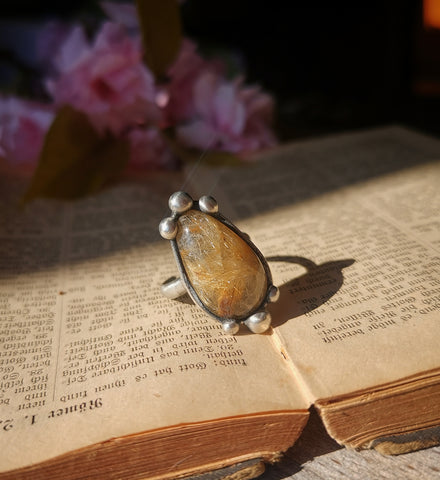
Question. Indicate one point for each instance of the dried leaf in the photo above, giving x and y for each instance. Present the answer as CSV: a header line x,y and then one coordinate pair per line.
x,y
217,158
75,159
161,33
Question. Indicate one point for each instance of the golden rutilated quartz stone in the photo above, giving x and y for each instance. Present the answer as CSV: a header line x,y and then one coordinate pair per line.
x,y
226,274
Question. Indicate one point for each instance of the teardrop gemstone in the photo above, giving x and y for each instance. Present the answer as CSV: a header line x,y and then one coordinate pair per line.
x,y
226,274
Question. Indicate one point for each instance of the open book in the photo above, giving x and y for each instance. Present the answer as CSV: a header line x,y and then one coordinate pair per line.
x,y
103,377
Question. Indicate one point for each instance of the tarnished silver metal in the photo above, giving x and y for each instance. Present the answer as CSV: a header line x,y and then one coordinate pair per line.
x,y
180,202
258,322
258,319
230,327
168,228
208,204
274,294
173,288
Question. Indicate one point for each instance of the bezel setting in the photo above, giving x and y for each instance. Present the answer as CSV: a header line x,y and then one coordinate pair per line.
x,y
257,319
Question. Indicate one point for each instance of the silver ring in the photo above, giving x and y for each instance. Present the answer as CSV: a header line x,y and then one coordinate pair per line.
x,y
220,268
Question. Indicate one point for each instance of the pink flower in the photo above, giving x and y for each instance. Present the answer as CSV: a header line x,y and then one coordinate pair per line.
x,y
183,75
149,149
228,117
107,80
23,126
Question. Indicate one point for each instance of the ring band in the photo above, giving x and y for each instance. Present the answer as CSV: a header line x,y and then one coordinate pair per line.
x,y
220,268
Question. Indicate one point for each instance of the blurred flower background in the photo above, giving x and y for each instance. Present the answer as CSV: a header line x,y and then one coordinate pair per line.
x,y
132,92
93,89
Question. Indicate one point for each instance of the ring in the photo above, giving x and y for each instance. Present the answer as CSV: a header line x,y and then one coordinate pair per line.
x,y
220,268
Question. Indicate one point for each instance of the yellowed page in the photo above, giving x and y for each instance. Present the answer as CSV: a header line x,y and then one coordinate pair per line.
x,y
376,320
351,224
89,348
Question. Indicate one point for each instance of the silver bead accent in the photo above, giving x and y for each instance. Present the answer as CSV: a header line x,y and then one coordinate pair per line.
x,y
168,228
230,327
208,204
274,294
180,202
258,322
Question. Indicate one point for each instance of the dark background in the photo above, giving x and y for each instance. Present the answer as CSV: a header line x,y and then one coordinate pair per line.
x,y
331,66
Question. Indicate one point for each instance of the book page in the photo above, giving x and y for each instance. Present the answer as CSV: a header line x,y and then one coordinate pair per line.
x,y
89,348
350,225
371,303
